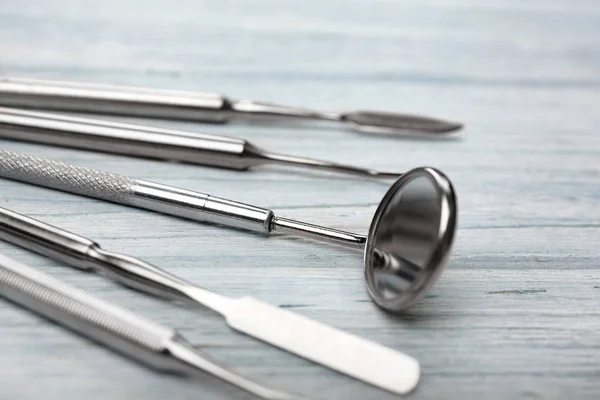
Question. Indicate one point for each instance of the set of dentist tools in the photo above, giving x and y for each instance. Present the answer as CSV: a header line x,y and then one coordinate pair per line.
x,y
404,252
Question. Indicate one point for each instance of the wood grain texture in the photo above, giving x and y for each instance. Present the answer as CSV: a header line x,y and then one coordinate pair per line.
x,y
516,313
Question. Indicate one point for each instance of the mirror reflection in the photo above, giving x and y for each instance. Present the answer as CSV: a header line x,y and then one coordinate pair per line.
x,y
406,237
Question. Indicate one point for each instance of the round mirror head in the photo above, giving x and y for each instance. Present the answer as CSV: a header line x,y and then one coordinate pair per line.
x,y
410,238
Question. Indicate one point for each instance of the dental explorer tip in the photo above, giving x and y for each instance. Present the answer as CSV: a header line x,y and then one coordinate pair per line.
x,y
323,165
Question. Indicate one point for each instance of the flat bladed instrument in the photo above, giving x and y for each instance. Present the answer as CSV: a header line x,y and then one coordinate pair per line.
x,y
201,107
364,360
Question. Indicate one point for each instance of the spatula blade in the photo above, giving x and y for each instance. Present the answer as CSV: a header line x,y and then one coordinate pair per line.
x,y
364,360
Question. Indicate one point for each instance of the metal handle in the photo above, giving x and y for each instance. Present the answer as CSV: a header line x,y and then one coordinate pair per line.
x,y
70,178
127,139
158,143
134,192
170,104
114,100
45,239
83,253
84,313
141,339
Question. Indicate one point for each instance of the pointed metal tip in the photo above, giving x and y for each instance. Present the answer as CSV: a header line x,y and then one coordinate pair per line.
x,y
449,126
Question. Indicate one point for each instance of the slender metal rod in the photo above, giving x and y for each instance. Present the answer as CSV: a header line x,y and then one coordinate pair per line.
x,y
156,143
328,166
285,225
204,107
162,198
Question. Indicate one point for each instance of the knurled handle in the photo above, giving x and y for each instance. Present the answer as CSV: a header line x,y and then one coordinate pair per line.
x,y
77,309
133,192
70,178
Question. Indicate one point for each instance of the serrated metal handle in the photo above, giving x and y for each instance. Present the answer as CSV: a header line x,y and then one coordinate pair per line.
x,y
66,177
139,338
133,192
83,312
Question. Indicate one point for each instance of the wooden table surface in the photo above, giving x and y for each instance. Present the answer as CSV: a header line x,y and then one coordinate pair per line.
x,y
516,314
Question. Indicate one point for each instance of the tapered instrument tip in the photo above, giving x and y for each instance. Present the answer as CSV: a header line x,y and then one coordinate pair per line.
x,y
395,123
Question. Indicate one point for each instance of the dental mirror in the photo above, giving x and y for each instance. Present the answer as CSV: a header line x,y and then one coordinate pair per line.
x,y
410,238
408,242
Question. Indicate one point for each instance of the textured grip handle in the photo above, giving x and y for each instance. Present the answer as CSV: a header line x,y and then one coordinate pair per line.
x,y
62,176
120,189
77,309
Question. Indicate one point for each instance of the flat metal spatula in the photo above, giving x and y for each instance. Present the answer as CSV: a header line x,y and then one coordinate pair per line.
x,y
370,362
202,107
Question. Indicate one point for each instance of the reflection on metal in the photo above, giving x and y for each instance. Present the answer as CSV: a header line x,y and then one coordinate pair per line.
x,y
415,221
295,333
202,107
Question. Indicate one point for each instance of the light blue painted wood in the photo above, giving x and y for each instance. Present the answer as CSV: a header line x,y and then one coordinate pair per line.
x,y
516,314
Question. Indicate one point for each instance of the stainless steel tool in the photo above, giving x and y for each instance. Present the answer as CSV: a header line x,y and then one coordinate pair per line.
x,y
143,340
408,242
164,144
359,358
204,107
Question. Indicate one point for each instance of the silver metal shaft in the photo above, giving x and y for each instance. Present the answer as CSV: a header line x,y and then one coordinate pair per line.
x,y
85,254
282,328
141,339
157,143
204,107
162,198
317,232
